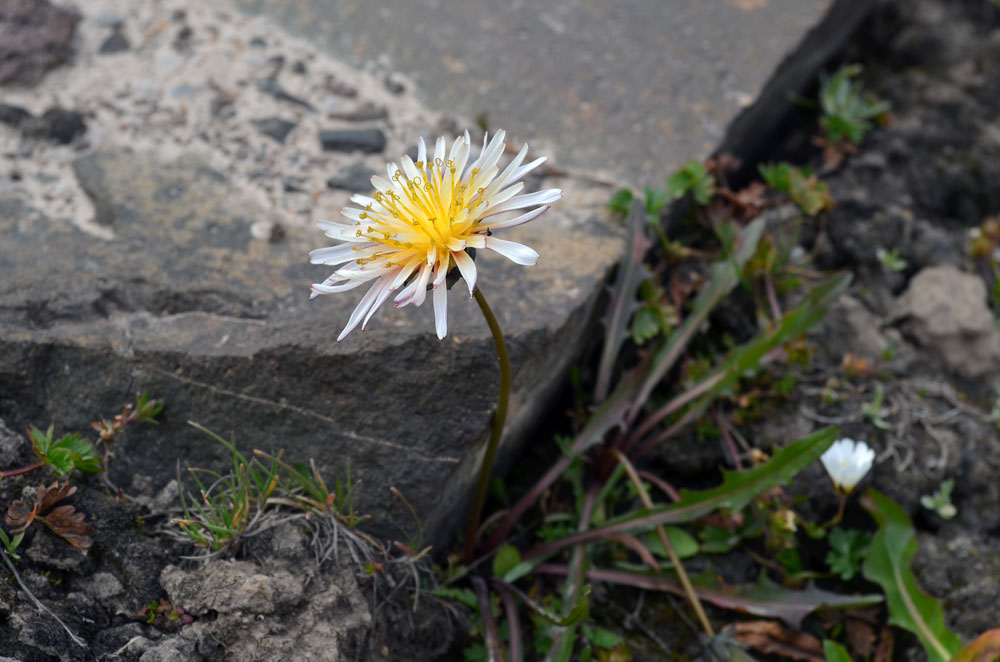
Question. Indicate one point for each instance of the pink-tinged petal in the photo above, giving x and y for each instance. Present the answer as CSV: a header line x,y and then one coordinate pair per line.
x,y
476,241
462,156
405,272
467,267
363,307
501,197
521,201
513,251
517,220
442,272
441,312
421,292
493,152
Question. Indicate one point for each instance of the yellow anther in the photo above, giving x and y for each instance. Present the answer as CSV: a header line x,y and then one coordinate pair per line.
x,y
358,234
419,164
362,215
438,162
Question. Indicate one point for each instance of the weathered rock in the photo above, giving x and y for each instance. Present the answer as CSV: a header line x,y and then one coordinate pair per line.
x,y
35,36
186,304
583,79
115,43
13,115
370,141
357,178
258,612
365,112
56,124
961,568
945,311
271,86
274,127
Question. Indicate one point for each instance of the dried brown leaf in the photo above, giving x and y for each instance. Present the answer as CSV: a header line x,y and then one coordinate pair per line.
x,y
860,637
66,522
20,515
883,653
771,637
46,497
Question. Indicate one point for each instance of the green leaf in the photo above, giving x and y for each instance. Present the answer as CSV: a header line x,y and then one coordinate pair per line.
x,y
888,565
737,490
645,325
75,452
848,548
807,191
684,544
835,652
655,200
776,175
602,638
505,560
692,177
718,539
621,201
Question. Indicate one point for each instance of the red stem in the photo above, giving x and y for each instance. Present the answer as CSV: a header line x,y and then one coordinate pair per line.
x,y
22,470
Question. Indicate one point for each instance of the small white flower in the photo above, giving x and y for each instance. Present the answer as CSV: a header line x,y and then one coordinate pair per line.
x,y
847,461
421,222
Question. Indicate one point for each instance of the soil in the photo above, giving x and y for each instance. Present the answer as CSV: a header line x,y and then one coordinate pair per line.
x,y
918,185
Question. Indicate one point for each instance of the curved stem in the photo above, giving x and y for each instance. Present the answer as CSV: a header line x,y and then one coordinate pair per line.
x,y
22,470
472,529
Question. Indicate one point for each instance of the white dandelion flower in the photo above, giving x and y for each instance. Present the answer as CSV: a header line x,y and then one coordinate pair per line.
x,y
420,223
847,461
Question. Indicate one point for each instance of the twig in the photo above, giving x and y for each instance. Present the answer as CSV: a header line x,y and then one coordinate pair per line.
x,y
42,608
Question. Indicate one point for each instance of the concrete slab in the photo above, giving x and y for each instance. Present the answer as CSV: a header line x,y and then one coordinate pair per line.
x,y
631,89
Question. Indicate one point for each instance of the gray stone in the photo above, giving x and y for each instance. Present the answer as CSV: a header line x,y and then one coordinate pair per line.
x,y
35,36
186,304
365,112
632,89
103,585
56,124
945,311
370,141
115,43
357,178
274,127
271,86
13,115
230,587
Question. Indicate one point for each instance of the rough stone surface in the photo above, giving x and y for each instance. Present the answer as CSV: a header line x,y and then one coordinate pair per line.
x,y
186,304
275,127
630,90
13,115
35,36
945,311
370,141
59,125
357,178
115,43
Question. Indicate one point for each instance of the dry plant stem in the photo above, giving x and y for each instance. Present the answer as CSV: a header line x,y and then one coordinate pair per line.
x,y
662,533
840,511
728,439
515,648
42,608
772,297
472,529
676,403
489,625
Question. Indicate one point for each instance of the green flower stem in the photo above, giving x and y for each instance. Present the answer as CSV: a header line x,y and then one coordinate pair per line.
x,y
472,529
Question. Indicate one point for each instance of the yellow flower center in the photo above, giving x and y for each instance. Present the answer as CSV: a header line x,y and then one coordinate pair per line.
x,y
434,212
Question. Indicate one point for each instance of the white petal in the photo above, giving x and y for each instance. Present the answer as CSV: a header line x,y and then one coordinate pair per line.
x,y
409,169
421,292
439,150
363,200
320,288
441,312
493,152
528,167
505,176
517,220
466,267
442,273
342,253
363,307
385,285
521,201
513,251
404,273
422,151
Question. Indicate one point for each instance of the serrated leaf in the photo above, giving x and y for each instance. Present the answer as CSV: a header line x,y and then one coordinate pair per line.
x,y
505,560
79,452
64,521
621,201
888,565
645,325
848,548
737,490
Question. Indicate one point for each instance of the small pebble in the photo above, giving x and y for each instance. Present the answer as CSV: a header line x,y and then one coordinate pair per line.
x,y
115,43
